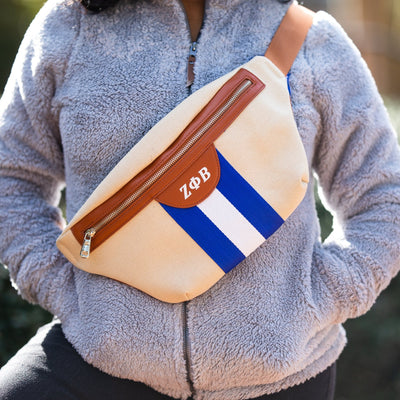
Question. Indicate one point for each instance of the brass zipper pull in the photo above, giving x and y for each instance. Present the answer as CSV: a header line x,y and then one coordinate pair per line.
x,y
87,241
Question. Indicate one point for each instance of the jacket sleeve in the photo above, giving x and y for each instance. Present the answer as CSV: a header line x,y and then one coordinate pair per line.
x,y
31,160
358,166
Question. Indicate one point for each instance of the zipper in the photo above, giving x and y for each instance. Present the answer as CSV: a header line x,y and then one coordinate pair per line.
x,y
191,62
190,142
186,347
193,47
192,51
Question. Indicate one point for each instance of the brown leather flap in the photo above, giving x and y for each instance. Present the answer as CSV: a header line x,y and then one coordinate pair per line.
x,y
195,183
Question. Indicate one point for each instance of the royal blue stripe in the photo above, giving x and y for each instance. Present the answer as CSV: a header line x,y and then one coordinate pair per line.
x,y
197,225
288,84
247,201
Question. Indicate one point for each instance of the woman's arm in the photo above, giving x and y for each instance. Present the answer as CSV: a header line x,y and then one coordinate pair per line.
x,y
31,159
358,165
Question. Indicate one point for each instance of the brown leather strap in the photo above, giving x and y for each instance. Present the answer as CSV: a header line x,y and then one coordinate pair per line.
x,y
289,37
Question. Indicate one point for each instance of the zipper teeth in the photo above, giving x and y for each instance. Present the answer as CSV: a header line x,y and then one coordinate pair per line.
x,y
174,159
186,347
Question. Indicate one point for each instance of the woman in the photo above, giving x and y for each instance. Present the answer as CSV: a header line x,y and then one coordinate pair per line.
x,y
85,87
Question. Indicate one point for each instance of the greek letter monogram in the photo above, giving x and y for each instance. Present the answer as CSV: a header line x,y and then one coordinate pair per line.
x,y
195,182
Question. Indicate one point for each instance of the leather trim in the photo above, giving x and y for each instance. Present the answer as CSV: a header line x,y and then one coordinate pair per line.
x,y
175,171
289,37
195,184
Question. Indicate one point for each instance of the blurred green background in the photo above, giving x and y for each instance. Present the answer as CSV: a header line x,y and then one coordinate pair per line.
x,y
369,368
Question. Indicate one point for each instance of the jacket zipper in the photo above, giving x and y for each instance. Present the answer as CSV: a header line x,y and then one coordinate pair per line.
x,y
190,66
186,347
196,136
186,340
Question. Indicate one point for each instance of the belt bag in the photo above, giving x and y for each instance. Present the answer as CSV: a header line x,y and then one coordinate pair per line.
x,y
205,187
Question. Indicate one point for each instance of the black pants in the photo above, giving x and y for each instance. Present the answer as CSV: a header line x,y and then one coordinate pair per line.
x,y
48,368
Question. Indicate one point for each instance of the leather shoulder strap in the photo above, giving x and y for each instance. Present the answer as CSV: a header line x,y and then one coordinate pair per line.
x,y
289,37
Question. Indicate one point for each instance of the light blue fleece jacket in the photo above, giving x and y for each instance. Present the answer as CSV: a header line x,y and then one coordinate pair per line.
x,y
86,87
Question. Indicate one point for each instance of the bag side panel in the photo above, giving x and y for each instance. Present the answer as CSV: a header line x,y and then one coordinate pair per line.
x,y
264,146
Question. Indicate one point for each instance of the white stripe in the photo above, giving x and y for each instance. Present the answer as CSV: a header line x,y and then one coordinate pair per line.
x,y
231,222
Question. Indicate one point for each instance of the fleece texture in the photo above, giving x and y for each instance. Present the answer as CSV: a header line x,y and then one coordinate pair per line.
x,y
86,87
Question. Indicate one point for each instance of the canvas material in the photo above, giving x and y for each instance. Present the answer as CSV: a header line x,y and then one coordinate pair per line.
x,y
178,270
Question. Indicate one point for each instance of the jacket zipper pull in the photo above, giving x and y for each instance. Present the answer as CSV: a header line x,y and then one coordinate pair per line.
x,y
87,241
191,61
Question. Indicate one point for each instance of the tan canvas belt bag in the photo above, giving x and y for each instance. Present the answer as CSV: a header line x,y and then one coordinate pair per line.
x,y
205,187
